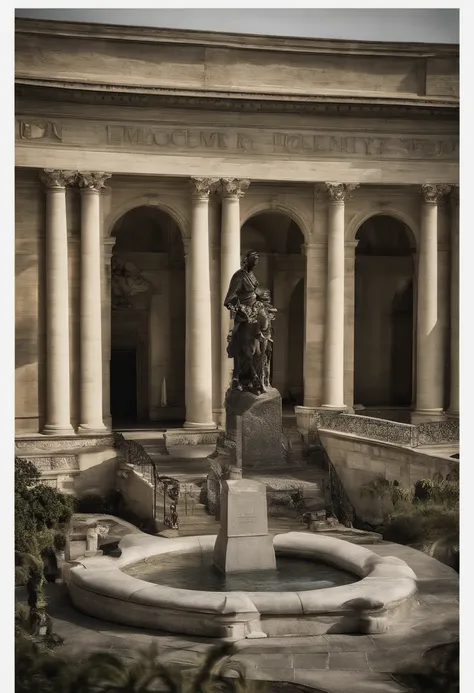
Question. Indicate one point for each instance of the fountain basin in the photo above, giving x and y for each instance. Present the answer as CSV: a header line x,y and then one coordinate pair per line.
x,y
384,587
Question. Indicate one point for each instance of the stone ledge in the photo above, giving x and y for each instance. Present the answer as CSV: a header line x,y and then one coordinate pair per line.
x,y
25,445
185,436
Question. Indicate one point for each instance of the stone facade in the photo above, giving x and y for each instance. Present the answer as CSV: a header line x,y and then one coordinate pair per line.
x,y
227,144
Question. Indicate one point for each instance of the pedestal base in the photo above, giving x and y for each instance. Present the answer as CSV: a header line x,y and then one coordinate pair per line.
x,y
243,543
420,416
243,554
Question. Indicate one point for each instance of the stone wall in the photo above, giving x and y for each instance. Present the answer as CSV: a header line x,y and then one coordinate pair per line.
x,y
137,492
358,462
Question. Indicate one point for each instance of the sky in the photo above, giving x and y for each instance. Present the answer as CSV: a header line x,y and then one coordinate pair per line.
x,y
427,25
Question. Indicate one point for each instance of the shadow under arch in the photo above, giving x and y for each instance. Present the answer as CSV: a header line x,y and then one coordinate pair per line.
x,y
282,208
118,212
412,226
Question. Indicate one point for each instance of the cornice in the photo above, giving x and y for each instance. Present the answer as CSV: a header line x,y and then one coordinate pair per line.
x,y
87,30
105,94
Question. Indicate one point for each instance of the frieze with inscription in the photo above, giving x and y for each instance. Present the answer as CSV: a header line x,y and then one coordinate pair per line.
x,y
264,142
271,142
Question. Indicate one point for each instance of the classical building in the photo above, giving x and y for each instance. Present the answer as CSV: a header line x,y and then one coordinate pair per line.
x,y
148,160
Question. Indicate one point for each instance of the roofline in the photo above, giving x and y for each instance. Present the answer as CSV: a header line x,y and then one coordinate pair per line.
x,y
215,39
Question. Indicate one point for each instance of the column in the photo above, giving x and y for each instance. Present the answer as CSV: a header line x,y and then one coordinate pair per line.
x,y
198,387
454,392
58,417
316,254
232,190
108,246
91,414
429,338
333,388
349,323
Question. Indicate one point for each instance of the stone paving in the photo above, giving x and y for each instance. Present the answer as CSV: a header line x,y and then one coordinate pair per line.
x,y
334,663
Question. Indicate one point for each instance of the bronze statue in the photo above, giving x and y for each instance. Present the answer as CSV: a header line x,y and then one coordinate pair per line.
x,y
250,340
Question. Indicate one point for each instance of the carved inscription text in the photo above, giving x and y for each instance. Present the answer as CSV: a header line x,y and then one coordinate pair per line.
x,y
269,142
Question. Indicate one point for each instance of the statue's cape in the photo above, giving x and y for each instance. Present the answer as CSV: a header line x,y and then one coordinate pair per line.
x,y
242,286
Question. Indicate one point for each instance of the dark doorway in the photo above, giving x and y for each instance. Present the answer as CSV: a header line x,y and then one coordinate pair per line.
x,y
123,384
383,328
402,337
296,344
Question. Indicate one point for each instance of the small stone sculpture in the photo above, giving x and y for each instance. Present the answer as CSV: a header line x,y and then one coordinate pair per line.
x,y
92,538
127,281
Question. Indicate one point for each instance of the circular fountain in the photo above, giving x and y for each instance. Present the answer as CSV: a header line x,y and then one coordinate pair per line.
x,y
368,591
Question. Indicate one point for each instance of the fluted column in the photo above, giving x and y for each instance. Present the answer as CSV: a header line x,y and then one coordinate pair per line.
x,y
58,412
198,388
429,338
454,392
232,190
333,390
91,412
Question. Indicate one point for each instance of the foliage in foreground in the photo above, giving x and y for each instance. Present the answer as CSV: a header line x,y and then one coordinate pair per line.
x,y
41,514
41,670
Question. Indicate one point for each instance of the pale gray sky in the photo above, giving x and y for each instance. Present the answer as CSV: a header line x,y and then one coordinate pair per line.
x,y
423,25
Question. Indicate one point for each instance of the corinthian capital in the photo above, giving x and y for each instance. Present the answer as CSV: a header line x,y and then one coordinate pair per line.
x,y
234,187
434,193
92,180
202,187
55,180
337,192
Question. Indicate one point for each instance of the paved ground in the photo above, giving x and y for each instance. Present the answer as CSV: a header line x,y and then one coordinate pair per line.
x,y
334,663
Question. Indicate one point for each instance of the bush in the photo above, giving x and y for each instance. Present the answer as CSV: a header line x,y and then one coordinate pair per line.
x,y
425,517
40,516
40,511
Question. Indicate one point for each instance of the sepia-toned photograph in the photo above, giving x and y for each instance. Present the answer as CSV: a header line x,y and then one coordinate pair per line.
x,y
237,382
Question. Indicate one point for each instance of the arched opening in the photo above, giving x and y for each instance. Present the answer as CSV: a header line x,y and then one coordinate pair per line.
x,y
278,240
383,331
148,325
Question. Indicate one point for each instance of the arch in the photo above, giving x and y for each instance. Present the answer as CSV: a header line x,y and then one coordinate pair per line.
x,y
283,207
359,219
147,325
147,201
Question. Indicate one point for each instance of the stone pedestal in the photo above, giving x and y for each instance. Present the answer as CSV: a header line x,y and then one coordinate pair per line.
x,y
243,542
254,424
253,439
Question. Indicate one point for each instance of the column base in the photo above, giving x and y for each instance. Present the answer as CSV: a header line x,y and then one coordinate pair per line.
x,y
425,415
92,429
211,426
333,407
219,417
453,413
56,430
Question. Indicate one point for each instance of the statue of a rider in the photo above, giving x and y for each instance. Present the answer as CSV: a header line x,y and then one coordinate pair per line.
x,y
250,339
